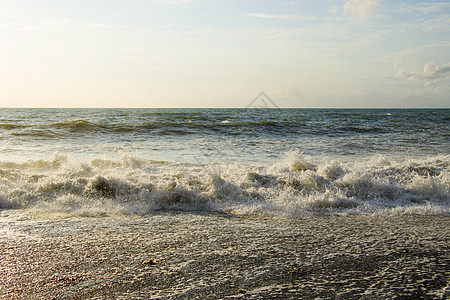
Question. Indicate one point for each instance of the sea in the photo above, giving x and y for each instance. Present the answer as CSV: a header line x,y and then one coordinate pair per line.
x,y
249,203
287,163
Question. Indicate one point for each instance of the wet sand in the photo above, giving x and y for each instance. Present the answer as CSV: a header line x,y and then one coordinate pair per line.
x,y
205,256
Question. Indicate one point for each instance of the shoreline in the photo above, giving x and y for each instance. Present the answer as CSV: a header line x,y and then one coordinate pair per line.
x,y
217,256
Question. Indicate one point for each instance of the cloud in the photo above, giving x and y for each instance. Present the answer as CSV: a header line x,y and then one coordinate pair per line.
x,y
432,73
334,6
363,92
290,3
360,8
174,2
281,17
333,9
424,8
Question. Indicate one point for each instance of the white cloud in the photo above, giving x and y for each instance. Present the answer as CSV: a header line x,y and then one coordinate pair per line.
x,y
363,92
334,6
424,8
281,17
290,3
174,2
360,8
431,74
333,9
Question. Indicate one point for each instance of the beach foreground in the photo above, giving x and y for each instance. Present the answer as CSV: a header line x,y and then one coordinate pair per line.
x,y
220,256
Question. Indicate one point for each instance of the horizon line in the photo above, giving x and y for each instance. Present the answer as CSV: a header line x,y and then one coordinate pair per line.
x,y
269,108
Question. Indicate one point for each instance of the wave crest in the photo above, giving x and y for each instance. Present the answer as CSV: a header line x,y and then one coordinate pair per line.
x,y
295,186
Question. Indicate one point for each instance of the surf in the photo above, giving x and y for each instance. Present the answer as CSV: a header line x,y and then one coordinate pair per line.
x,y
294,186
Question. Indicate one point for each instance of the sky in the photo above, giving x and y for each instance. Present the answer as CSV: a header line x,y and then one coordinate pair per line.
x,y
205,53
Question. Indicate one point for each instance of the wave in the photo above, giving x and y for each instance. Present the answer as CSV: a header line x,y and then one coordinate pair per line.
x,y
184,126
295,186
81,126
10,126
76,125
422,128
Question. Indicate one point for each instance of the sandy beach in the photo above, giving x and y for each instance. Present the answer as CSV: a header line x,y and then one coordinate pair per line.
x,y
208,256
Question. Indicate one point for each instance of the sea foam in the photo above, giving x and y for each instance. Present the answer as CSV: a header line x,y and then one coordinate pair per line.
x,y
295,186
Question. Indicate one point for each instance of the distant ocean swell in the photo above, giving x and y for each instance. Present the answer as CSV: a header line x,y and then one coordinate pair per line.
x,y
294,186
60,129
232,135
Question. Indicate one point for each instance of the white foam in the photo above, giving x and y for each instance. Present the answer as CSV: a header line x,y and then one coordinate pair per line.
x,y
295,186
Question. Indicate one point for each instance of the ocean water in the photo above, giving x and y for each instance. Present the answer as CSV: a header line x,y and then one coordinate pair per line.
x,y
259,162
224,204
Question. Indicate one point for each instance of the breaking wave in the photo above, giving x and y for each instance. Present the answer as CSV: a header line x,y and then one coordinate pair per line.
x,y
295,186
